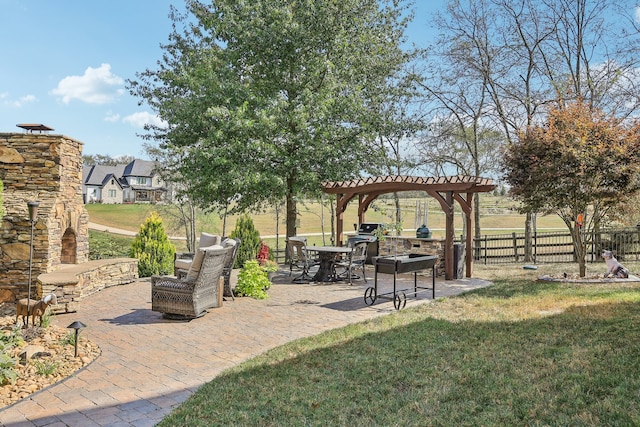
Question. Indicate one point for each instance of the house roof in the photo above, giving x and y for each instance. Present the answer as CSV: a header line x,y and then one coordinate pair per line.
x,y
139,168
99,175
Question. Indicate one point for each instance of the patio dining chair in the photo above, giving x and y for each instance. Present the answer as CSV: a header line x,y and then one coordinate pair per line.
x,y
299,258
354,260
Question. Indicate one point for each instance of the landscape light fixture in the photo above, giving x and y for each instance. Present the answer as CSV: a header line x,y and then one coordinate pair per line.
x,y
77,325
33,213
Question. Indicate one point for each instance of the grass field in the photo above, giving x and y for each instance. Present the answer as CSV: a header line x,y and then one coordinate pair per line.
x,y
498,215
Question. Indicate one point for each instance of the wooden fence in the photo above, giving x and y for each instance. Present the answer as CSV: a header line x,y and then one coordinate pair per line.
x,y
556,246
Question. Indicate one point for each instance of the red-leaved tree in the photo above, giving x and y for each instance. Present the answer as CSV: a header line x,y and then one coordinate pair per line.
x,y
581,161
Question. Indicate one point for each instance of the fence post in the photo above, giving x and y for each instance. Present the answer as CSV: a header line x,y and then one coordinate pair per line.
x,y
515,246
486,249
535,245
638,231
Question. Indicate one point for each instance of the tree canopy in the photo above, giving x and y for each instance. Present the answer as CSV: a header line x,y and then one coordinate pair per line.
x,y
264,100
582,161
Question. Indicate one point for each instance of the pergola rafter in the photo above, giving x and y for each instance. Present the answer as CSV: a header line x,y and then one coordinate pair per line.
x,y
445,189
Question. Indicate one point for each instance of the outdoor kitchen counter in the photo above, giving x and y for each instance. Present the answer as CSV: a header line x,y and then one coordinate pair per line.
x,y
405,245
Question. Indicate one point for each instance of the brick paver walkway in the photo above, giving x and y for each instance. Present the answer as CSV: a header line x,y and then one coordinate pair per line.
x,y
150,365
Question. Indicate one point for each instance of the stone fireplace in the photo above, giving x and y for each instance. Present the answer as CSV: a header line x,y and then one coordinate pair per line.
x,y
45,168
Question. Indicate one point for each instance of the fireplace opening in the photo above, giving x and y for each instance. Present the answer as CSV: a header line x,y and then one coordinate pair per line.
x,y
69,245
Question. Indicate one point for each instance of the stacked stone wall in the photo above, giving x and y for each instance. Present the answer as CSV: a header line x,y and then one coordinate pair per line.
x,y
72,283
408,245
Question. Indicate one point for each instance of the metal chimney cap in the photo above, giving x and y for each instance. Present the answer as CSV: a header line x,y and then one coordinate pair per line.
x,y
30,127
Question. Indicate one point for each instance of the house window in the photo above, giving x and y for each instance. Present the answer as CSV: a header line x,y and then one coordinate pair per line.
x,y
141,180
112,194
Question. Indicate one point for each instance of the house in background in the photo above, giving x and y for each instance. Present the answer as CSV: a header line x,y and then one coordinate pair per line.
x,y
135,182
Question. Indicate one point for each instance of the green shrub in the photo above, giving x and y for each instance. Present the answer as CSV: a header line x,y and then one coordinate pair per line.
x,y
46,318
253,281
45,368
152,248
249,240
7,363
69,339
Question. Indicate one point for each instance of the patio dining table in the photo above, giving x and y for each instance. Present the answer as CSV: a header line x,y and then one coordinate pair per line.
x,y
327,256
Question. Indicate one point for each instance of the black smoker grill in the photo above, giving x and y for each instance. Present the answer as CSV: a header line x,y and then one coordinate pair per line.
x,y
365,232
402,264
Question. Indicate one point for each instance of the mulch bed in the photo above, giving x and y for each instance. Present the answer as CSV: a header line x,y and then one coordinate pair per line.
x,y
54,356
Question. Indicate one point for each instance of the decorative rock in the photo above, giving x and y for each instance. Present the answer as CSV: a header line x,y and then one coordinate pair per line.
x,y
29,351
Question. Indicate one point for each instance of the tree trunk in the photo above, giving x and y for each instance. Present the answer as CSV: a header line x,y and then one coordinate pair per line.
x,y
192,228
398,215
580,250
528,238
292,213
224,220
476,216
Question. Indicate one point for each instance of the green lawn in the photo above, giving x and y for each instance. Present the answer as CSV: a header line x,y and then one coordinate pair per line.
x,y
517,353
496,212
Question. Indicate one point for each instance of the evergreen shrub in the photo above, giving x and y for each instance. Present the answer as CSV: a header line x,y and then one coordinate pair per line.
x,y
249,240
152,248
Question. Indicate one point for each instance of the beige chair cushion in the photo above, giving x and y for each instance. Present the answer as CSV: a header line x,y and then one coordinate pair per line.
x,y
207,240
194,268
183,263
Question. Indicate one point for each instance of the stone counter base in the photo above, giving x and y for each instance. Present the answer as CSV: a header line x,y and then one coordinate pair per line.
x,y
73,282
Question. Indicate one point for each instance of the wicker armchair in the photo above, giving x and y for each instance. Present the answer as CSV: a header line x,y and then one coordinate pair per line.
x,y
182,260
228,265
191,296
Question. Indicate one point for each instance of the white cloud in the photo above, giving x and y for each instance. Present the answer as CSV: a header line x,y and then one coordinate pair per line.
x,y
17,103
143,118
637,13
96,86
111,117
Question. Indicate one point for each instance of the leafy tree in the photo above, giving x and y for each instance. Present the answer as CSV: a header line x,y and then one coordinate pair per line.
x,y
152,247
249,240
106,160
266,99
507,60
582,162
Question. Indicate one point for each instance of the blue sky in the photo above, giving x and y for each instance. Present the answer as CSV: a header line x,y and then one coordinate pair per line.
x,y
64,64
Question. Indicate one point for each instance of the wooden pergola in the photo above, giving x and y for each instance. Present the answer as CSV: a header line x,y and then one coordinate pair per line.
x,y
444,189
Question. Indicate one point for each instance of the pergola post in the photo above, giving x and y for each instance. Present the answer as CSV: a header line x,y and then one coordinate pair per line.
x,y
469,242
339,219
449,237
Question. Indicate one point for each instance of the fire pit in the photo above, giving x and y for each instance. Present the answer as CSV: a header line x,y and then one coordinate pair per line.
x,y
401,264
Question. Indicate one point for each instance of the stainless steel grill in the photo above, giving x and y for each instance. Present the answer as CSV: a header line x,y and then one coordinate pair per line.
x,y
365,232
